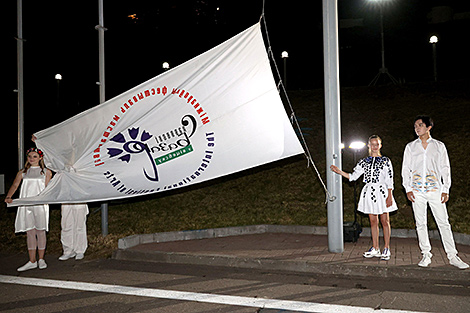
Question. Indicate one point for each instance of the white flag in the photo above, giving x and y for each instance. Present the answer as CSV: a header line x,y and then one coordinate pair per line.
x,y
214,115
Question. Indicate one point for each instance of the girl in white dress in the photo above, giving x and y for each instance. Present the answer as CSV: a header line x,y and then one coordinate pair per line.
x,y
376,197
32,219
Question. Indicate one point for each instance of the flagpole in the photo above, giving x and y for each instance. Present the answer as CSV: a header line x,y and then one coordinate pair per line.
x,y
101,83
20,86
332,125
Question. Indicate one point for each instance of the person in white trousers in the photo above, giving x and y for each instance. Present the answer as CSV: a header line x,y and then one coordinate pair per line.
x,y
73,234
426,178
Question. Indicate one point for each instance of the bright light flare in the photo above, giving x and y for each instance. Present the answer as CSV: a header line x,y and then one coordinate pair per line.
x,y
357,145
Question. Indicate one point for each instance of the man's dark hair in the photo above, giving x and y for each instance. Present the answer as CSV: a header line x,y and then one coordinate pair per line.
x,y
426,120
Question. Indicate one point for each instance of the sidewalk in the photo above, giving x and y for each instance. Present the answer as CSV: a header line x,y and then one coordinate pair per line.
x,y
291,248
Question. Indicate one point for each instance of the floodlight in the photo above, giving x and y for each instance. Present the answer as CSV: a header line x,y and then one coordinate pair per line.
x,y
357,145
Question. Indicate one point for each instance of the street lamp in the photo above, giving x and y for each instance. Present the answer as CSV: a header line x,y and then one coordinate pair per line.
x,y
433,40
285,55
58,78
383,70
166,66
356,146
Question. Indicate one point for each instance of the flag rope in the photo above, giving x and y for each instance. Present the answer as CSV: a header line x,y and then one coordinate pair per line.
x,y
293,117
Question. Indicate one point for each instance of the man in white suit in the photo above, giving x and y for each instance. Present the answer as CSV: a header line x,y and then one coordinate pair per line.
x,y
426,178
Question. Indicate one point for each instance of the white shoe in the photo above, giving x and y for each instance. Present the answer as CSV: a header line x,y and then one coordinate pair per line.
x,y
425,261
372,253
42,264
28,266
386,254
79,256
457,262
65,257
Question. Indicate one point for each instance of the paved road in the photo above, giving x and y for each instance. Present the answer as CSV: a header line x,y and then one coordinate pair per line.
x,y
154,285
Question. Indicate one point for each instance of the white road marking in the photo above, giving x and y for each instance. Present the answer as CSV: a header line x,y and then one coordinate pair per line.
x,y
194,296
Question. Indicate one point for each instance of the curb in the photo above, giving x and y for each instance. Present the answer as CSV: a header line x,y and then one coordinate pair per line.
x,y
299,266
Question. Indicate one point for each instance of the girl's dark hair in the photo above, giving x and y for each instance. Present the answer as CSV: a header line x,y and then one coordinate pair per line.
x,y
426,120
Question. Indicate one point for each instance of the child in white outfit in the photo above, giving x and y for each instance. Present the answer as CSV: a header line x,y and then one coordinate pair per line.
x,y
376,198
32,219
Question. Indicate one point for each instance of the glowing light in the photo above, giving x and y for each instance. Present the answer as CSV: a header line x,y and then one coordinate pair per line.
x,y
433,39
357,145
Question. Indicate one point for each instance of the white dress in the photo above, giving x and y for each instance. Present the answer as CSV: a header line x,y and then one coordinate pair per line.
x,y
378,177
32,216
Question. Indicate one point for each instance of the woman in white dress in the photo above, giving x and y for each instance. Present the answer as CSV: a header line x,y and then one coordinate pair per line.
x,y
32,219
376,197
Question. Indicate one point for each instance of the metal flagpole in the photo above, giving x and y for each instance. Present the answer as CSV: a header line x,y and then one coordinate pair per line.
x,y
20,90
101,83
332,125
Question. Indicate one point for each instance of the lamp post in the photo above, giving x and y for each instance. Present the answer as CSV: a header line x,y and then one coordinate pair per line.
x,y
433,41
58,78
285,55
356,146
383,70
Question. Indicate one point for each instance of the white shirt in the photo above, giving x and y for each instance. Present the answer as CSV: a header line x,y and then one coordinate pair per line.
x,y
426,170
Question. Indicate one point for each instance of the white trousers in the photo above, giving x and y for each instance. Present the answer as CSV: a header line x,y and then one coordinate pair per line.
x,y
73,234
439,211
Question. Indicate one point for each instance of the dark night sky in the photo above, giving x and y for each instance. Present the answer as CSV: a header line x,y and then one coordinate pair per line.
x,y
61,38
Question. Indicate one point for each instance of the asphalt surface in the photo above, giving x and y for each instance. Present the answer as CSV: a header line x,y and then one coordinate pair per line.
x,y
254,266
102,285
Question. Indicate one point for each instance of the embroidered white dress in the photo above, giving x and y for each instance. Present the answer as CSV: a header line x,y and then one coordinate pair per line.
x,y
378,177
32,216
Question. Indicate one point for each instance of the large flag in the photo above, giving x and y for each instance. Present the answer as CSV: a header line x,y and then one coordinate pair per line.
x,y
214,115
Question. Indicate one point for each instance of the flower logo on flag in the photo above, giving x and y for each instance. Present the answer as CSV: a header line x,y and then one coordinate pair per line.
x,y
134,146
